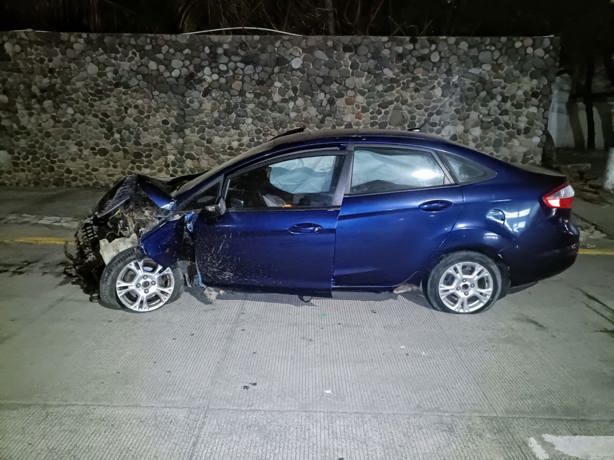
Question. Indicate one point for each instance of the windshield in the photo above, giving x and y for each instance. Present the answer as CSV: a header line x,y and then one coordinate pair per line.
x,y
212,172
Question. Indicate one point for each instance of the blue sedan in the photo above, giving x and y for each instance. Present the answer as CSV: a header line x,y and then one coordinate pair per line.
x,y
313,213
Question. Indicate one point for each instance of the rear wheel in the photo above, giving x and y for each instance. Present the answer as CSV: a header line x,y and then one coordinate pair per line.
x,y
138,283
463,282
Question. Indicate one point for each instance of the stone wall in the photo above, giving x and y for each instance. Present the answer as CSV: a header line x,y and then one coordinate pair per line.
x,y
84,109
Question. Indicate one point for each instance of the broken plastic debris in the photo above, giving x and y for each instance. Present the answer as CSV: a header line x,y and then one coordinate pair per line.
x,y
405,288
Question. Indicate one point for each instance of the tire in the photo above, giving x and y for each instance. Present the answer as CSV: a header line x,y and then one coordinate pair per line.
x,y
463,282
140,280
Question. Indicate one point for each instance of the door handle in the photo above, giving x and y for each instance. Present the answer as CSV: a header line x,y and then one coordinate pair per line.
x,y
305,228
435,205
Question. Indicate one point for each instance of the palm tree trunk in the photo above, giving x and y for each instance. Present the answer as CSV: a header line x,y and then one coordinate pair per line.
x,y
588,103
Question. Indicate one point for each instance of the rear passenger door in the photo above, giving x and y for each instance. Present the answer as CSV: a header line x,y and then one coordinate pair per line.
x,y
400,205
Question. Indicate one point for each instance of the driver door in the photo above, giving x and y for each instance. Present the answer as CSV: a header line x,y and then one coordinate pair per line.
x,y
278,232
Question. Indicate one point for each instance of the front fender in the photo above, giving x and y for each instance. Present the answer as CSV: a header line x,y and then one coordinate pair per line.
x,y
164,243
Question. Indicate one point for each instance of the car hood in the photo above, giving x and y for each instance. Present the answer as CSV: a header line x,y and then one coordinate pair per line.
x,y
159,192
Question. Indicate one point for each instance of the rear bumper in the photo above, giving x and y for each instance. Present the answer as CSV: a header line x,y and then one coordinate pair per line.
x,y
544,265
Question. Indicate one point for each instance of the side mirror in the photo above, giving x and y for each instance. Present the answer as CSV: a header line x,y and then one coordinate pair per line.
x,y
217,209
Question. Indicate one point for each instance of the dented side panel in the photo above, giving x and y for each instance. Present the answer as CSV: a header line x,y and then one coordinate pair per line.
x,y
164,242
268,250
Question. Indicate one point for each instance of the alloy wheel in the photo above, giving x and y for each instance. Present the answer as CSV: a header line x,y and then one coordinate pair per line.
x,y
144,285
465,287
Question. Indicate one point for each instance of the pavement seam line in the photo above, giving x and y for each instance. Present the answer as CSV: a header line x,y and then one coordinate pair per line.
x,y
13,404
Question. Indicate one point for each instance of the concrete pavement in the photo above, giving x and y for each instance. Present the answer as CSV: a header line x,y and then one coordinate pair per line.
x,y
266,376
601,215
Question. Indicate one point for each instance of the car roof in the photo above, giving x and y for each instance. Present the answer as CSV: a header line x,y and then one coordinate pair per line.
x,y
297,138
377,136
300,139
305,137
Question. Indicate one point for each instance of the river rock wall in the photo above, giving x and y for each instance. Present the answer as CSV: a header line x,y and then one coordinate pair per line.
x,y
84,109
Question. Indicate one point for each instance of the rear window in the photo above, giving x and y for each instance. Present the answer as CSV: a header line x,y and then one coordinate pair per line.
x,y
379,170
465,170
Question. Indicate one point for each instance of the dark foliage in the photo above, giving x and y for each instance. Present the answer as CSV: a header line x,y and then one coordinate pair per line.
x,y
311,17
585,26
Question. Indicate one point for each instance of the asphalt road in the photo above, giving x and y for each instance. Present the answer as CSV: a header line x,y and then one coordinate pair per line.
x,y
267,376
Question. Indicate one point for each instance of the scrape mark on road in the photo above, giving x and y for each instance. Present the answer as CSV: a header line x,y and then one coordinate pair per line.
x,y
598,306
594,310
18,268
529,320
595,299
609,332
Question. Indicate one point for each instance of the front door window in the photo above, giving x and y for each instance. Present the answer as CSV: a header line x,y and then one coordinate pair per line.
x,y
306,182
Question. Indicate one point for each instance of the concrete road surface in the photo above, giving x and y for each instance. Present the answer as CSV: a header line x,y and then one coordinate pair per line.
x,y
360,376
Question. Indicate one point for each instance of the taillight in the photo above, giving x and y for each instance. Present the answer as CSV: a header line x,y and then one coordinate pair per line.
x,y
560,198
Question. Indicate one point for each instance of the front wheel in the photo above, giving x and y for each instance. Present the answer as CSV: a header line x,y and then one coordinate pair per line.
x,y
463,282
138,283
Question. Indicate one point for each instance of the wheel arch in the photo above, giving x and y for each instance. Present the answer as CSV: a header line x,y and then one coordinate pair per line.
x,y
481,241
487,251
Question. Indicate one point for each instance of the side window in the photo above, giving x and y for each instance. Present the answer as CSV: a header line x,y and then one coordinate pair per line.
x,y
304,175
377,170
465,170
306,182
205,198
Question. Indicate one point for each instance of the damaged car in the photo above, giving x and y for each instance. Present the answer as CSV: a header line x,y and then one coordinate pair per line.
x,y
313,213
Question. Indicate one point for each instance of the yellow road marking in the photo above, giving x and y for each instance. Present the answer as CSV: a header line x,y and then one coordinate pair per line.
x,y
42,240
54,240
596,252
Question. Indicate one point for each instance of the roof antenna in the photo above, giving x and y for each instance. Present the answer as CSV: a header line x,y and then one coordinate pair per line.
x,y
300,129
417,129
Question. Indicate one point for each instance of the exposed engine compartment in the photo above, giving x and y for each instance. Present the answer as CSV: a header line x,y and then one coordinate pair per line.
x,y
120,218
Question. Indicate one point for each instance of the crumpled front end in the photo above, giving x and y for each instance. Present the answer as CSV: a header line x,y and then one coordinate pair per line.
x,y
117,223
